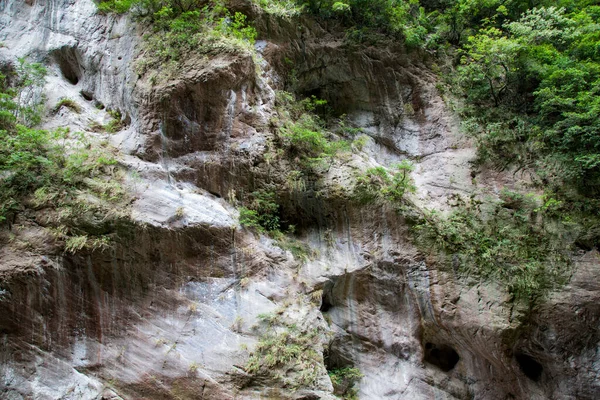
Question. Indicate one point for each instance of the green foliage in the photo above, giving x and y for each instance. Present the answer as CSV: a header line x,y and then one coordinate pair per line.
x,y
250,219
180,27
515,242
398,18
531,79
116,123
236,26
262,212
281,8
74,244
343,380
287,354
58,171
377,184
22,102
304,134
300,250
69,103
115,6
542,70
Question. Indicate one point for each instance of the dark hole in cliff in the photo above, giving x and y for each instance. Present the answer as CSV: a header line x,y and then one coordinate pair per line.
x,y
530,367
326,304
307,209
336,354
442,356
332,106
68,62
341,369
87,95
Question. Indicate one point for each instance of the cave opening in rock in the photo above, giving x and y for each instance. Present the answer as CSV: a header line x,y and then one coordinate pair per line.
x,y
326,304
442,356
87,95
332,107
529,366
67,59
341,370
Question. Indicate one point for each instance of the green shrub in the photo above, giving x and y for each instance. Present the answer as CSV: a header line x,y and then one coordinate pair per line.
x,y
116,6
250,219
236,26
308,143
287,354
116,123
377,184
343,381
59,171
183,26
300,250
281,8
515,242
533,94
262,212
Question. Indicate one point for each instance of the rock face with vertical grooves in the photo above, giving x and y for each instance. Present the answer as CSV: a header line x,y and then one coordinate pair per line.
x,y
174,309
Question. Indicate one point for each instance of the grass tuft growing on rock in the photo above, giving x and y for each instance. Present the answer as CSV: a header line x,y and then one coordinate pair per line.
x,y
65,183
286,354
343,381
69,103
280,8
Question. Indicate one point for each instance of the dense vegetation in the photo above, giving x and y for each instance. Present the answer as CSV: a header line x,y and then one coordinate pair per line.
x,y
525,77
181,27
344,380
529,82
54,172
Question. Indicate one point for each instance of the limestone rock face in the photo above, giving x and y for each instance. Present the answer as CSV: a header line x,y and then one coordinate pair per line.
x,y
176,308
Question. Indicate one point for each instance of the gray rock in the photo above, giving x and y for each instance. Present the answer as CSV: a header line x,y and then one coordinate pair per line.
x,y
175,309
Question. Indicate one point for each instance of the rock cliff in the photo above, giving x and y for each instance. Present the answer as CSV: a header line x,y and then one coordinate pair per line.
x,y
178,307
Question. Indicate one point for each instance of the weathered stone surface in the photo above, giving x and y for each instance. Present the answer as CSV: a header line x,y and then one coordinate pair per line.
x,y
172,312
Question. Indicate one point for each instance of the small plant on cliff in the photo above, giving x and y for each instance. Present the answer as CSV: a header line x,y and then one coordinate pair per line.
x,y
59,175
69,103
287,354
281,8
262,212
116,123
181,27
377,183
343,381
115,6
304,135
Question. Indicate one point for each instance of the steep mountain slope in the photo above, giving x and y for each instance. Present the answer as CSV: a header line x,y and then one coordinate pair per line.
x,y
186,302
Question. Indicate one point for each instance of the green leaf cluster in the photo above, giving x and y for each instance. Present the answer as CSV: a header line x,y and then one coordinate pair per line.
x,y
516,241
343,380
304,134
287,354
398,18
543,71
262,212
56,171
115,6
378,184
180,27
